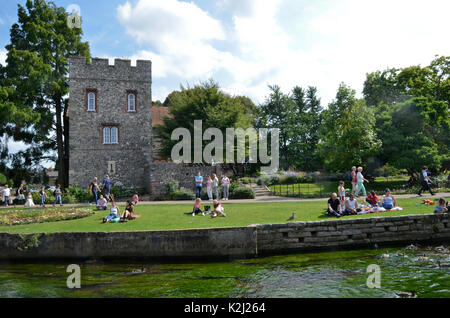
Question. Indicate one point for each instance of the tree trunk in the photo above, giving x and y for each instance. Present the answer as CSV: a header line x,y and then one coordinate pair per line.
x,y
59,141
66,142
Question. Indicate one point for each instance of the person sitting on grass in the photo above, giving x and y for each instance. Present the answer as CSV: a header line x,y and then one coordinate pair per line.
x,y
113,213
372,199
101,203
197,207
388,200
135,198
334,206
218,209
440,207
128,214
351,205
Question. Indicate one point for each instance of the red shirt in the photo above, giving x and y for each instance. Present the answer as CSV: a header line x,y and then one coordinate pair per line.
x,y
373,199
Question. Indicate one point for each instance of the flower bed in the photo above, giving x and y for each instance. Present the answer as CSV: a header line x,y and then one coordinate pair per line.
x,y
38,215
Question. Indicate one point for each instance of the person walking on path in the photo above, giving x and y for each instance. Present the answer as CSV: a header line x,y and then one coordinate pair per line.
x,y
360,178
226,187
94,189
106,187
6,193
354,179
198,185
426,181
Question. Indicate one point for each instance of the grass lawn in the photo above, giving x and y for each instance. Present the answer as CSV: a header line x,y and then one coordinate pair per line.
x,y
170,217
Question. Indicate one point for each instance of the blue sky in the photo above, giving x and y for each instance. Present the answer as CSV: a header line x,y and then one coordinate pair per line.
x,y
246,45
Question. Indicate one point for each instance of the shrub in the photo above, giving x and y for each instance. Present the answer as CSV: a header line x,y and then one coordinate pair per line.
x,y
247,180
242,193
183,194
81,195
171,186
2,179
273,180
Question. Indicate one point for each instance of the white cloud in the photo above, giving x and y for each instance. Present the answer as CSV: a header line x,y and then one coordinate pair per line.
x,y
329,43
3,57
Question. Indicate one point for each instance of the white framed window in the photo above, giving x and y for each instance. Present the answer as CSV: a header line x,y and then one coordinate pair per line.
x,y
131,102
110,135
114,135
91,102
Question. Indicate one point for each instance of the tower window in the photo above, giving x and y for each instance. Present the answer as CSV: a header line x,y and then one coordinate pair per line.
x,y
131,101
110,135
91,100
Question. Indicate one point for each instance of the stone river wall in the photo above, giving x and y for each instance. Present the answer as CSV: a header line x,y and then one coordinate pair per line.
x,y
215,243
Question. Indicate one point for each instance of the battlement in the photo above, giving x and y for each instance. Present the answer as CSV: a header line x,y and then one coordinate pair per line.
x,y
99,68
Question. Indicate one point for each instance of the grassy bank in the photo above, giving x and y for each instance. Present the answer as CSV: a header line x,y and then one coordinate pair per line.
x,y
177,216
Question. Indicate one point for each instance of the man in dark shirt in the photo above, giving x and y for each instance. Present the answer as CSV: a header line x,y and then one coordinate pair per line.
x,y
334,206
107,187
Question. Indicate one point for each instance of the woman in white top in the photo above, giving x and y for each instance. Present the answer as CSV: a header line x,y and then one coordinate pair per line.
x,y
114,213
216,186
226,187
361,180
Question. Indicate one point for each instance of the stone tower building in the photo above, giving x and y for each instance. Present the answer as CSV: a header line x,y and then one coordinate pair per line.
x,y
110,113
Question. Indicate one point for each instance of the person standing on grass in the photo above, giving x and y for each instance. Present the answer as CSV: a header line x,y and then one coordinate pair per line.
x,y
426,181
198,185
226,187
106,187
209,185
360,178
135,198
341,191
58,196
6,193
43,197
216,186
94,189
354,179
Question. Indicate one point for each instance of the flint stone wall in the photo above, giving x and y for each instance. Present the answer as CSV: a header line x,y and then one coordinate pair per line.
x,y
88,155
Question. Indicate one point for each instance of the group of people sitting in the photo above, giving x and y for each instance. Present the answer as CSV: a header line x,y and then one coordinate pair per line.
x,y
340,206
114,212
216,211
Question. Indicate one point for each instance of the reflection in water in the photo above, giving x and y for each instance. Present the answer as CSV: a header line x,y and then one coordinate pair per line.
x,y
330,274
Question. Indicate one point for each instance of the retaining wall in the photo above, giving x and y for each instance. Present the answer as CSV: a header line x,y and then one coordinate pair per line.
x,y
247,241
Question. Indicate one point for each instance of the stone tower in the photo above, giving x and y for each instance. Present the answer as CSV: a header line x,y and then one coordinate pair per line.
x,y
110,117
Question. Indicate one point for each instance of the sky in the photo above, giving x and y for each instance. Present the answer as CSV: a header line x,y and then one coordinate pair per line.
x,y
247,45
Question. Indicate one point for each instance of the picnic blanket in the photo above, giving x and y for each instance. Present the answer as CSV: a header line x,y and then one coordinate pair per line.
x,y
378,209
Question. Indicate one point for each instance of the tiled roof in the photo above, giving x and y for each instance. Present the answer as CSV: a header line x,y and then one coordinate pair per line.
x,y
158,113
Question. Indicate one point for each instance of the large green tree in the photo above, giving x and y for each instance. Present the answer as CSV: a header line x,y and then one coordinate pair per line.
x,y
348,132
208,103
37,67
412,114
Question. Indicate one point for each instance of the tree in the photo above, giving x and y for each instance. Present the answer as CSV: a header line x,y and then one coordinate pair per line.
x,y
348,132
306,126
278,111
205,102
41,42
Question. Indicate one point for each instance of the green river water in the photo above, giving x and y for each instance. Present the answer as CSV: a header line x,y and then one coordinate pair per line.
x,y
325,274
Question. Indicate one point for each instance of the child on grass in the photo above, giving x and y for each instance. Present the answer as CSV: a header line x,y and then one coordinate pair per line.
x,y
218,209
440,207
43,197
197,207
